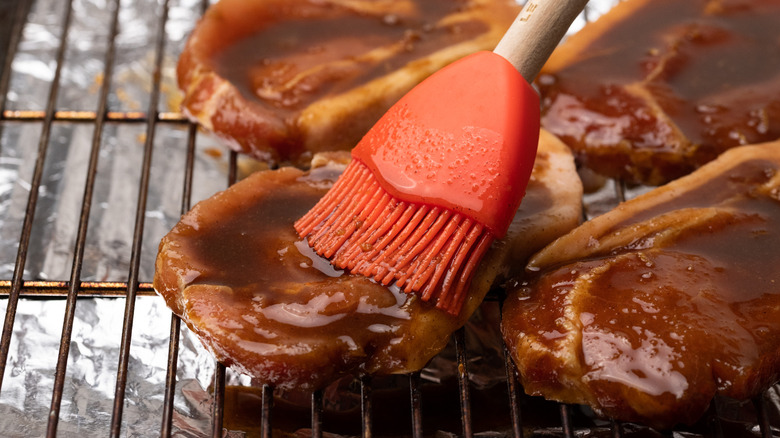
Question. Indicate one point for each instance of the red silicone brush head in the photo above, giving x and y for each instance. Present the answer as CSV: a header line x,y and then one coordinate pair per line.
x,y
465,139
433,182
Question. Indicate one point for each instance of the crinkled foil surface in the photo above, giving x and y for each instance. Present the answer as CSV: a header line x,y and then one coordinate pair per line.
x,y
90,380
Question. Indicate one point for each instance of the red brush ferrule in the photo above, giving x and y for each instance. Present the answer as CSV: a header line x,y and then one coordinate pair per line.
x,y
464,139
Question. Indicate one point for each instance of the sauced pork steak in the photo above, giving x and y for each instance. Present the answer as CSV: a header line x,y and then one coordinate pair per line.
x,y
263,302
282,79
648,311
655,88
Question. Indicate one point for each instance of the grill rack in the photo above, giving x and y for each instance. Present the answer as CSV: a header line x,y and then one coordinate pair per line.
x,y
17,287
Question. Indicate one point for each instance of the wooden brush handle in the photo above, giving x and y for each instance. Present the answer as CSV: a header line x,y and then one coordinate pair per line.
x,y
536,31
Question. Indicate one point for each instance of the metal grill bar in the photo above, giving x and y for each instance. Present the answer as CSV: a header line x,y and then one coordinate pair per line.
x,y
92,116
617,429
218,411
763,419
48,289
32,200
620,191
316,414
416,396
78,257
16,35
173,343
568,429
513,391
365,406
265,415
170,378
135,258
463,382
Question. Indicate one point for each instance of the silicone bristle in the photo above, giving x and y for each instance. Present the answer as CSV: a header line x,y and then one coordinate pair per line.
x,y
425,250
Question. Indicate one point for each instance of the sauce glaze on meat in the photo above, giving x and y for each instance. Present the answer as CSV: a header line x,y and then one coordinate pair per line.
x,y
656,88
648,311
236,272
282,79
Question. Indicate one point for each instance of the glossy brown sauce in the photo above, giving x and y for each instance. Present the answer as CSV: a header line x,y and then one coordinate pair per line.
x,y
655,311
288,65
278,302
238,246
716,74
736,188
537,196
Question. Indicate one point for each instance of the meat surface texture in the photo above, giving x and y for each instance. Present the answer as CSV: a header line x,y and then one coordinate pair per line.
x,y
283,79
654,89
260,299
647,312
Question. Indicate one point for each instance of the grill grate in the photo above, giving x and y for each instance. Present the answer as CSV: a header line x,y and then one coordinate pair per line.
x,y
71,290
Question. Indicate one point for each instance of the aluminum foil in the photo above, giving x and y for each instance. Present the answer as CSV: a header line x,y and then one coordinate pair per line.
x,y
89,391
88,397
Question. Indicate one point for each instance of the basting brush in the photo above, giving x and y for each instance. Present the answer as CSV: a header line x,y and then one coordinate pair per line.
x,y
440,176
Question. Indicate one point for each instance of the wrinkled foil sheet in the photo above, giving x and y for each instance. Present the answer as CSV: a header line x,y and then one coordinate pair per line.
x,y
90,381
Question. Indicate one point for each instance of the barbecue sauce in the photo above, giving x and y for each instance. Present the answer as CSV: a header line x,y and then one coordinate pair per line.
x,y
679,313
237,274
288,65
284,79
260,297
668,87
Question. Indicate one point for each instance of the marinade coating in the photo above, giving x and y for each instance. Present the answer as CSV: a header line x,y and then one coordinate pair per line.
x,y
283,79
647,312
256,295
653,89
